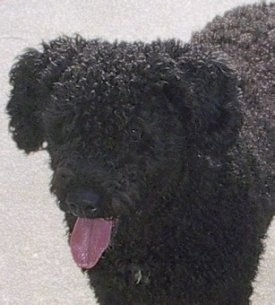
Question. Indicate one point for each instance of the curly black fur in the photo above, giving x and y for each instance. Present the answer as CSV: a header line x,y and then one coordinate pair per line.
x,y
177,141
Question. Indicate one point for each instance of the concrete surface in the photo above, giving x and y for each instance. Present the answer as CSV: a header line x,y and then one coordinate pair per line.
x,y
35,263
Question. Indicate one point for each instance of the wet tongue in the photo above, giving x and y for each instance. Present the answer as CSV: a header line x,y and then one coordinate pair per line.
x,y
89,239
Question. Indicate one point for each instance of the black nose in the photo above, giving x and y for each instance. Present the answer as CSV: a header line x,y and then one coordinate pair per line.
x,y
83,203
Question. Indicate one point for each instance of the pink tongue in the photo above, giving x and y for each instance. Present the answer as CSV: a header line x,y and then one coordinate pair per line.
x,y
89,239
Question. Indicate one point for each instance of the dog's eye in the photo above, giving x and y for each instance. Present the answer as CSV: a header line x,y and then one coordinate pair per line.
x,y
136,135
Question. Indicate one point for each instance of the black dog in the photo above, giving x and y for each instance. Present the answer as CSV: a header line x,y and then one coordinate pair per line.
x,y
162,156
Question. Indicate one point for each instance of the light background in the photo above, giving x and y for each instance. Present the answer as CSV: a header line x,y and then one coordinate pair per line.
x,y
35,263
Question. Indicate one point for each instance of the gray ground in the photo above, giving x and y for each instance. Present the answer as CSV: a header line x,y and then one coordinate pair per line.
x,y
35,263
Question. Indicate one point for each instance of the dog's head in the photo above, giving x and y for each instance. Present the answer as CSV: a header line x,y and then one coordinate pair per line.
x,y
120,120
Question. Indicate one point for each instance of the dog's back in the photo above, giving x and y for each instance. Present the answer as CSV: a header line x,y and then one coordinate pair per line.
x,y
247,35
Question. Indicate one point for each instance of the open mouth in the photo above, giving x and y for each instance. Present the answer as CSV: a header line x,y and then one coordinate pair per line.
x,y
90,238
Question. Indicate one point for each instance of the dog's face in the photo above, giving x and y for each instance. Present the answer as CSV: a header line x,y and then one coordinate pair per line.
x,y
119,122
111,152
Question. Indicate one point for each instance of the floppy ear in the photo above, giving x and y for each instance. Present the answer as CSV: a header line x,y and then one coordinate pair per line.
x,y
25,104
207,97
32,78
